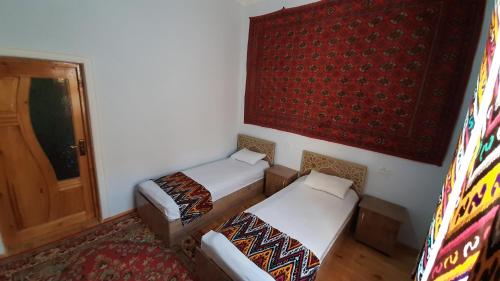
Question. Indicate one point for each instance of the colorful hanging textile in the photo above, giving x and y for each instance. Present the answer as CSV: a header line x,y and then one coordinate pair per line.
x,y
463,242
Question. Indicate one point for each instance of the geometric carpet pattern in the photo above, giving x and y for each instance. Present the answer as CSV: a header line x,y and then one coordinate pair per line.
x,y
124,249
386,76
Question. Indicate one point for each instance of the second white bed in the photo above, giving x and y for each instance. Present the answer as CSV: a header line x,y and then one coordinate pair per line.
x,y
313,217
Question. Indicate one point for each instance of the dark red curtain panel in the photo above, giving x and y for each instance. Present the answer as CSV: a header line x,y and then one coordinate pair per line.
x,y
387,76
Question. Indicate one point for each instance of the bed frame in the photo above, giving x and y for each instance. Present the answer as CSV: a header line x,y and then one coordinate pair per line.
x,y
173,232
208,270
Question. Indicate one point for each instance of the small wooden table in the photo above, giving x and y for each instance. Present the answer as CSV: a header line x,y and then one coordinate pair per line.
x,y
379,222
278,177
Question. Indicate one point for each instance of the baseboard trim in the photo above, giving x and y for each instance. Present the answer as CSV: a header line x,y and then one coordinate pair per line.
x,y
119,215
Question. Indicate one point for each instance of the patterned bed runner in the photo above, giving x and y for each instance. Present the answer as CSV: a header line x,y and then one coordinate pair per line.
x,y
194,199
283,257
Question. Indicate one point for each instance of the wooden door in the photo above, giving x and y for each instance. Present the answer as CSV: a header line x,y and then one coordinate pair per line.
x,y
46,176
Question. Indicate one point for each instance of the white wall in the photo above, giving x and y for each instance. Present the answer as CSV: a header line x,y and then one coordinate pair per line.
x,y
412,184
165,75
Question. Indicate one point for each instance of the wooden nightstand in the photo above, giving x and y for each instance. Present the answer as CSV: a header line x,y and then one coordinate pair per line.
x,y
277,177
379,222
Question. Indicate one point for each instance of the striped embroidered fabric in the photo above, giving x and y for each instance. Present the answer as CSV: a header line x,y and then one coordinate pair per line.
x,y
283,257
194,199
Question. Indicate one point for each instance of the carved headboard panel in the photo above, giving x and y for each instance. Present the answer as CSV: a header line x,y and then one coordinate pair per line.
x,y
257,145
333,166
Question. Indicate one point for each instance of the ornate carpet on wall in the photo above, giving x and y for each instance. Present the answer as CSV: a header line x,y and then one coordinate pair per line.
x,y
387,76
120,250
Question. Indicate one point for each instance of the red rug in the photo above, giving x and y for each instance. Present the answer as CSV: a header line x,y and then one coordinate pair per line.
x,y
383,75
121,250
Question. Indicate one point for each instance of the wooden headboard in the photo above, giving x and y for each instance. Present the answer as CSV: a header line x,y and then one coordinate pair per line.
x,y
257,145
333,166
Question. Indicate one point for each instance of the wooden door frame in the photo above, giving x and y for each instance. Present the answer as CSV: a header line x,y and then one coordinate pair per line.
x,y
90,116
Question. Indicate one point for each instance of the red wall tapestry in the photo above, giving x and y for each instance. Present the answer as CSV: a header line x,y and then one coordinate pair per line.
x,y
387,76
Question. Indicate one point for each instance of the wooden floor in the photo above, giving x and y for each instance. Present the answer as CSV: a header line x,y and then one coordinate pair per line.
x,y
353,261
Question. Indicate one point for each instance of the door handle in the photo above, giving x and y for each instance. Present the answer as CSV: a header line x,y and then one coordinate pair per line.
x,y
82,147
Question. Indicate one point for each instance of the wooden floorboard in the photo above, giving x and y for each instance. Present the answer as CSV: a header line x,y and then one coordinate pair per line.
x,y
352,261
355,261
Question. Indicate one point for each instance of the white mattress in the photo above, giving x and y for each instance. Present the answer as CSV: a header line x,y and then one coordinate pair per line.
x,y
313,217
221,178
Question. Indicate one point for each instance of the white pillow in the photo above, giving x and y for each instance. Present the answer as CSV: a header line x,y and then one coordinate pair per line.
x,y
327,183
248,156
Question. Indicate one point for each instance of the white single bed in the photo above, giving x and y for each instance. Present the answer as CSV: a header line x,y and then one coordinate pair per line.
x,y
298,211
229,182
314,218
220,178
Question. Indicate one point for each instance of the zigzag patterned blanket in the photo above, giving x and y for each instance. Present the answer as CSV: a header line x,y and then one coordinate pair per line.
x,y
283,257
194,199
